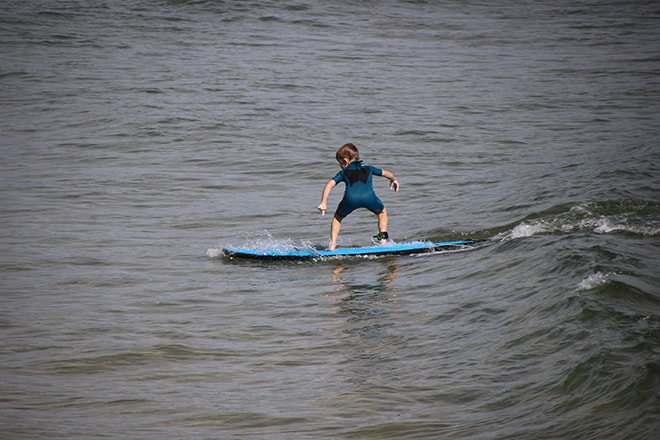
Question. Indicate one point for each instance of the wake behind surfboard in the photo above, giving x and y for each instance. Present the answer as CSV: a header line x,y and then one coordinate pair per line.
x,y
309,252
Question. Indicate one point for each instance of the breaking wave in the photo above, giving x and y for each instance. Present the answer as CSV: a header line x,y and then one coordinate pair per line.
x,y
630,217
595,280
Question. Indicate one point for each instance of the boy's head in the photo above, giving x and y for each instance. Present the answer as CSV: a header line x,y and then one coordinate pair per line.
x,y
347,153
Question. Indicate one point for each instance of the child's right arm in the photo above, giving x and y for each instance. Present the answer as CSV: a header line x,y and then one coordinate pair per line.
x,y
323,206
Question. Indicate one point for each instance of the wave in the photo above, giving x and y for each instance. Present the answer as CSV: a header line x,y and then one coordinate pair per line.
x,y
594,280
633,218
638,218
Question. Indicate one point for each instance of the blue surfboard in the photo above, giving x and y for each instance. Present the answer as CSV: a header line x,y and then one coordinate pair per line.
x,y
308,252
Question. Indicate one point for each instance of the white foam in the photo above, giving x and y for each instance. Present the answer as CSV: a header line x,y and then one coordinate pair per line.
x,y
525,230
604,226
214,253
594,280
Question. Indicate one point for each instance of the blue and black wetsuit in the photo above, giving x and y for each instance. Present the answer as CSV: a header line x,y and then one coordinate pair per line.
x,y
359,189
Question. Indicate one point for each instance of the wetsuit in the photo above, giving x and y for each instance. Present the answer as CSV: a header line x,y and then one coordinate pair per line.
x,y
359,189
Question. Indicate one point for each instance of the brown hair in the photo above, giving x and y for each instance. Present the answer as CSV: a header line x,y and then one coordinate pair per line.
x,y
347,151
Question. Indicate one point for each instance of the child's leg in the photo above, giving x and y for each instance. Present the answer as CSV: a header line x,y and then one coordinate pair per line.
x,y
334,232
382,224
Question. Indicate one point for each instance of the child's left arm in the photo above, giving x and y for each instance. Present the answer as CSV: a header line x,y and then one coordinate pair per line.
x,y
394,184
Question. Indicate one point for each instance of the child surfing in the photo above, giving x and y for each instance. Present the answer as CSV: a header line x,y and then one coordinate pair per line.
x,y
359,192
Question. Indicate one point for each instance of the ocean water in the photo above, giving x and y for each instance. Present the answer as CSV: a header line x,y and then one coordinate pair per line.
x,y
141,137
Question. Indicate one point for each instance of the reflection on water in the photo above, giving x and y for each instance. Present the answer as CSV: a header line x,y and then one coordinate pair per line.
x,y
367,302
366,305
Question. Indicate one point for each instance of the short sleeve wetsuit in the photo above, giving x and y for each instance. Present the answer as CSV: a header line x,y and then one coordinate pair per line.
x,y
359,191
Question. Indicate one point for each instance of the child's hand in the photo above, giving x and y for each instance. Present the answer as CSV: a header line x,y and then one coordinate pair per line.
x,y
322,207
394,185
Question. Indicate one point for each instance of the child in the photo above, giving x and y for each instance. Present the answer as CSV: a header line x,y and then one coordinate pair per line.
x,y
359,192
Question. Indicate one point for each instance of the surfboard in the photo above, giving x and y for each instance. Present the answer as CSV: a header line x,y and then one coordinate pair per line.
x,y
308,252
